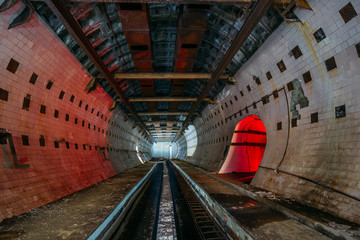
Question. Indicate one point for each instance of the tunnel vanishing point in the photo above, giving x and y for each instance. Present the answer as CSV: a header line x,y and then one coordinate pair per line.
x,y
262,95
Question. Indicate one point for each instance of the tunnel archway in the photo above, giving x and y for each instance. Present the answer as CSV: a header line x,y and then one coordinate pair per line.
x,y
247,147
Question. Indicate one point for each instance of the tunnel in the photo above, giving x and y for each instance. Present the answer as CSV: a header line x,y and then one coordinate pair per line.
x,y
178,119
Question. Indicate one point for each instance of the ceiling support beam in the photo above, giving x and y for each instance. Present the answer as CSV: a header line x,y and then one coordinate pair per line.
x,y
167,122
61,11
168,99
260,9
165,134
165,76
168,132
162,113
163,128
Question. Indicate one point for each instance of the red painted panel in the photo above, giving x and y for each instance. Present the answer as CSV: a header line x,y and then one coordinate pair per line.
x,y
144,66
134,19
244,155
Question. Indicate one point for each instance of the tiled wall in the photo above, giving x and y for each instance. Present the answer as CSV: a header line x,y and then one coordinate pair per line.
x,y
314,147
63,138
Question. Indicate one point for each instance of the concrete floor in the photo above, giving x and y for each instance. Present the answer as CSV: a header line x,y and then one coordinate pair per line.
x,y
77,215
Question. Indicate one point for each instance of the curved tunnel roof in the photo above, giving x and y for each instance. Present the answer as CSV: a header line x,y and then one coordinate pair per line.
x,y
161,38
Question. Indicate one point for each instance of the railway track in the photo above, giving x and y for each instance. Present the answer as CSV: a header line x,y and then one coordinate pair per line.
x,y
137,217
168,204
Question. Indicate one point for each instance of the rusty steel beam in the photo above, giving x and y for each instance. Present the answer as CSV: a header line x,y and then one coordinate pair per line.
x,y
162,113
164,128
165,76
260,9
164,131
168,99
61,11
167,122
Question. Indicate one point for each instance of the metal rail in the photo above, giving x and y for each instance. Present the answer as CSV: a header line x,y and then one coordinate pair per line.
x,y
217,212
204,222
112,222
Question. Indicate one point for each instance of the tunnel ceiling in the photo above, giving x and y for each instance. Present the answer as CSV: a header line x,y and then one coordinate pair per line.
x,y
166,40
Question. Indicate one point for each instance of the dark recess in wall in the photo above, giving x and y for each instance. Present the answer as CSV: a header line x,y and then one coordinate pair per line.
x,y
296,51
25,140
319,35
26,102
348,12
281,66
13,66
275,94
268,75
49,85
314,117
4,95
42,141
357,46
307,77
330,64
61,95
33,78
340,111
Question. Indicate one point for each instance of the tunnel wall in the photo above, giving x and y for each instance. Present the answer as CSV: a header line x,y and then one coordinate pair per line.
x,y
57,153
191,140
122,139
315,150
182,148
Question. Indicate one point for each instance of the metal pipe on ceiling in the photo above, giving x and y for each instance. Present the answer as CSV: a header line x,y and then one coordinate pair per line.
x,y
260,9
61,11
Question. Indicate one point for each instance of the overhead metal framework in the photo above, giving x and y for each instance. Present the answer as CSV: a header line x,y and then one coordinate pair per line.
x,y
162,61
164,122
168,99
261,7
165,76
60,9
162,113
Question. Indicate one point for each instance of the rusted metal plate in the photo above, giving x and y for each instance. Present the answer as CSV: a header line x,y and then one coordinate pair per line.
x,y
249,25
144,66
141,55
81,11
60,9
138,38
195,18
187,53
191,36
134,20
184,65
